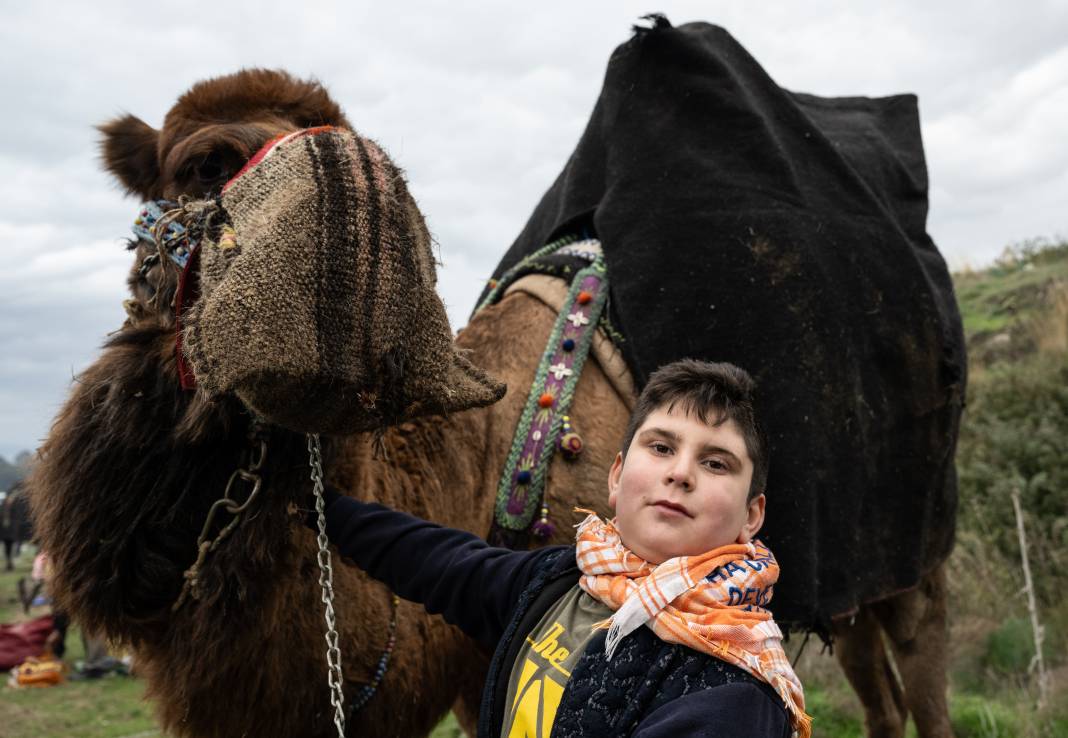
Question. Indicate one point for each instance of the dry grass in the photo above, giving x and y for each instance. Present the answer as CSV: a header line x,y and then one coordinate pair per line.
x,y
1049,328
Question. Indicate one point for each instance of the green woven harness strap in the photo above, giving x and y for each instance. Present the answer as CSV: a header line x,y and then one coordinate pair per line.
x,y
544,426
498,286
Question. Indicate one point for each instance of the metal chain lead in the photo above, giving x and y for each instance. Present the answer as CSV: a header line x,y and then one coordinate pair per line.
x,y
257,454
326,581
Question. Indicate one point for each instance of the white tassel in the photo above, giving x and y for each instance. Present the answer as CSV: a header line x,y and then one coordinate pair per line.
x,y
627,619
615,635
632,615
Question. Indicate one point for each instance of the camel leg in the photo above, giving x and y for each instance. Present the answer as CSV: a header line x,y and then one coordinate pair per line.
x,y
915,622
859,647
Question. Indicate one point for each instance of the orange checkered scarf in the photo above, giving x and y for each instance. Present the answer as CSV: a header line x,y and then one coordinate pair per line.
x,y
714,603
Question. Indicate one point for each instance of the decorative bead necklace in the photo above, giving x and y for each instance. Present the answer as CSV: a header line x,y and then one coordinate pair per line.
x,y
368,690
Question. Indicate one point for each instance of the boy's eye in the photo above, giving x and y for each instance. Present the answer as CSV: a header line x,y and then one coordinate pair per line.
x,y
660,448
715,465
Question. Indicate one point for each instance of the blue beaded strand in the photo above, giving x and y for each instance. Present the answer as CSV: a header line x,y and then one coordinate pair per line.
x,y
368,690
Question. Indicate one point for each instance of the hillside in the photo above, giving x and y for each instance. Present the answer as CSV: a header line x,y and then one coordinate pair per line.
x,y
1016,307
1013,440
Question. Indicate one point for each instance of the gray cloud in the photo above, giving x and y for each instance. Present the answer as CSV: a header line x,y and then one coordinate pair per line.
x,y
481,103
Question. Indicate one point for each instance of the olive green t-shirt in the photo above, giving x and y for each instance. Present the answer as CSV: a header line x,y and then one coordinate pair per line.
x,y
543,665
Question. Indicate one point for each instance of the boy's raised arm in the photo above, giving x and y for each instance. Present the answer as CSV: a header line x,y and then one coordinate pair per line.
x,y
450,572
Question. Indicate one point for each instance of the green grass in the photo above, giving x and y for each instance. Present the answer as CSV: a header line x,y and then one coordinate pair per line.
x,y
448,728
1011,292
830,717
10,611
112,707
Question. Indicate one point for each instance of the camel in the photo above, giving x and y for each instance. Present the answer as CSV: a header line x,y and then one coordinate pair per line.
x,y
133,463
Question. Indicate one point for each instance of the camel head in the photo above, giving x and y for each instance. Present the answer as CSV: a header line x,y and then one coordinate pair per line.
x,y
212,131
207,136
133,432
319,312
133,462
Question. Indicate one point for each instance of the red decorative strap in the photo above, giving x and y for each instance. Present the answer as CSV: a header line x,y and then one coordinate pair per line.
x,y
188,291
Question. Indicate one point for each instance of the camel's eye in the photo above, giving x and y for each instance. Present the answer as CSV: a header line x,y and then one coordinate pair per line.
x,y
204,173
211,168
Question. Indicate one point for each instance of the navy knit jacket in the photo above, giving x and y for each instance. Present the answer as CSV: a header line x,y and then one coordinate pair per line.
x,y
650,689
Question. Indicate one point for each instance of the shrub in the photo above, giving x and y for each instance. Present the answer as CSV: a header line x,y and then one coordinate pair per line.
x,y
1013,437
1010,648
977,717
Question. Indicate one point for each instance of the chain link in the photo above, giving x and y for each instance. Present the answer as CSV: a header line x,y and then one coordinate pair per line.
x,y
257,454
326,581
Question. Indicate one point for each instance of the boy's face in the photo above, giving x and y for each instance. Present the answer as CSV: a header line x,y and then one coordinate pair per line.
x,y
682,489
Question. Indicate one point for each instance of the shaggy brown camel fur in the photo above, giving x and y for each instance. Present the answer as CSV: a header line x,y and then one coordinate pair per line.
x,y
133,463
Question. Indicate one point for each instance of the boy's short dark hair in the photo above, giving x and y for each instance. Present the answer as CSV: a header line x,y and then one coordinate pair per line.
x,y
720,390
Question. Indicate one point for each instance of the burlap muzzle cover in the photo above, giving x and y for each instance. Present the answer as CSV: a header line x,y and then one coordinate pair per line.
x,y
318,309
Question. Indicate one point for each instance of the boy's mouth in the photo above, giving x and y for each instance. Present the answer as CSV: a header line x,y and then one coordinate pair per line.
x,y
673,506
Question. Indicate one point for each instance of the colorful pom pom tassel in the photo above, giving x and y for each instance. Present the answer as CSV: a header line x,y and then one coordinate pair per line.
x,y
542,527
570,443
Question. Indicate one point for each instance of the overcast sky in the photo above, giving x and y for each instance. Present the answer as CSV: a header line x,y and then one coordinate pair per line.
x,y
481,102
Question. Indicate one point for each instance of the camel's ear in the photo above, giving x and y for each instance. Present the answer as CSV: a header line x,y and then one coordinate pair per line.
x,y
129,148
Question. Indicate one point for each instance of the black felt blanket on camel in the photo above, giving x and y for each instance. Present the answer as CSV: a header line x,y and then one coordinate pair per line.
x,y
784,233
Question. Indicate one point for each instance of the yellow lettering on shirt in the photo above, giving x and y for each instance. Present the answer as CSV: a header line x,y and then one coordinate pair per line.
x,y
551,694
529,667
538,698
549,649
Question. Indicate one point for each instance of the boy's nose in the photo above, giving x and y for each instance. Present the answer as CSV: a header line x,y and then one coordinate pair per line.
x,y
680,475
681,481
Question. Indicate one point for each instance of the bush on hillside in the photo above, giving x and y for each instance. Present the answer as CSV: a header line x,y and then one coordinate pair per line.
x,y
1013,437
1010,648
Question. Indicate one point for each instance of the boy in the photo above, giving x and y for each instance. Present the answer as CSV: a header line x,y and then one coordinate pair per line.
x,y
570,657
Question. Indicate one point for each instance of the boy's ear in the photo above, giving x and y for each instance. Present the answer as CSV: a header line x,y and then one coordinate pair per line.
x,y
129,147
754,520
614,475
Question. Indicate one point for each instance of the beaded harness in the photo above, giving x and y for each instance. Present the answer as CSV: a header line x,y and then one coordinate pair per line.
x,y
544,426
174,237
